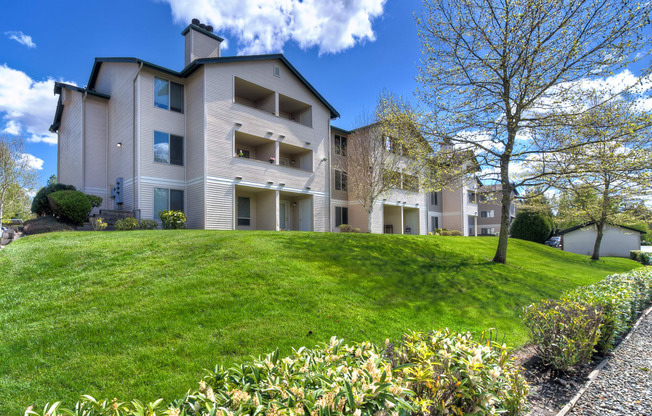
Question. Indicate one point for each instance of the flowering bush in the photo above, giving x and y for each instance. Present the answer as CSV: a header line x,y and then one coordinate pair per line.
x,y
148,225
126,224
454,374
362,379
172,220
98,224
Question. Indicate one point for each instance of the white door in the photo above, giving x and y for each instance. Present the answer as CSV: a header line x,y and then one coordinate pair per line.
x,y
284,215
305,215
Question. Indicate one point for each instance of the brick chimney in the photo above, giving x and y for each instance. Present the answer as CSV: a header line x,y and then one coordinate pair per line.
x,y
201,42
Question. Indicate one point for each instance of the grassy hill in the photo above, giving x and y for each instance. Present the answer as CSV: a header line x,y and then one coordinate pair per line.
x,y
141,314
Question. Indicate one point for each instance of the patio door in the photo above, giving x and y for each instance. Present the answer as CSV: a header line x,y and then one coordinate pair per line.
x,y
305,215
284,215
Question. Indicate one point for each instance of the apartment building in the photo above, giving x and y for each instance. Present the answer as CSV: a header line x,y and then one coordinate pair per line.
x,y
404,210
238,142
490,206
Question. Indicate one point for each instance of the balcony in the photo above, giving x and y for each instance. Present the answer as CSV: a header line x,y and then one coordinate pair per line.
x,y
254,147
295,157
254,96
294,110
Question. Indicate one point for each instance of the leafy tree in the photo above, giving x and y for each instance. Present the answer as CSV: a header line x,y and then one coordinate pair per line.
x,y
531,226
52,180
16,172
597,180
493,71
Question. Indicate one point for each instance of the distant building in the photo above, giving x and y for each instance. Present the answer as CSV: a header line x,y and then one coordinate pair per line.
x,y
617,240
490,208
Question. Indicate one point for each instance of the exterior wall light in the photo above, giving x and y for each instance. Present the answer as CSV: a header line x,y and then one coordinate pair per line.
x,y
119,144
239,178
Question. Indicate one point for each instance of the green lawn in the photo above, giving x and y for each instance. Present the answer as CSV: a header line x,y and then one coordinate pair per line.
x,y
141,314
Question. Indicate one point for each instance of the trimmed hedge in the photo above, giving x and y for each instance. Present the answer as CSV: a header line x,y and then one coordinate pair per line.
x,y
619,298
70,206
434,373
642,257
531,226
127,224
172,220
40,203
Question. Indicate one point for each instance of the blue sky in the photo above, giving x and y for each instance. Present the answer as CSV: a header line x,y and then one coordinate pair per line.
x,y
349,57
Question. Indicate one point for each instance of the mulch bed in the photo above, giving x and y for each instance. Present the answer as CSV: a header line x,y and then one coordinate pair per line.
x,y
550,390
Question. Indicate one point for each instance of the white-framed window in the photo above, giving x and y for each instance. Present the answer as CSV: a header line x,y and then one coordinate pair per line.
x,y
167,200
168,148
434,199
244,211
487,214
341,180
487,231
471,197
434,223
168,95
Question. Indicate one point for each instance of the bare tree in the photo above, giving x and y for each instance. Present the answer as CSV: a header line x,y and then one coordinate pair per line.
x,y
16,172
387,153
492,71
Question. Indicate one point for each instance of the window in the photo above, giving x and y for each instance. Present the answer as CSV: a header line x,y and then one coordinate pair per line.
x,y
340,180
167,200
340,145
434,223
471,197
390,144
487,214
244,211
341,216
168,148
168,95
434,199
487,231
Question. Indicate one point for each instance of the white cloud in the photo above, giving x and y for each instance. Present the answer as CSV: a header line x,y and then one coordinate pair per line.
x,y
26,106
21,38
33,161
264,26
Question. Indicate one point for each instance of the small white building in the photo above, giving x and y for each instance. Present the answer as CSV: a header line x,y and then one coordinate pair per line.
x,y
617,240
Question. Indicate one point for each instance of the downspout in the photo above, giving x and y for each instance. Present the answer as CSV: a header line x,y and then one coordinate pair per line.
x,y
83,140
133,124
328,180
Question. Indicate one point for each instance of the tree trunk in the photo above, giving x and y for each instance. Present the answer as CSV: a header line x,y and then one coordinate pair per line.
x,y
598,240
506,202
370,212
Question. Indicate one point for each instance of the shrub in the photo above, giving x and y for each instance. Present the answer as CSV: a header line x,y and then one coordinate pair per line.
x,y
172,220
357,379
40,203
70,207
148,225
346,228
127,224
98,224
531,226
454,374
563,332
642,257
96,201
446,233
456,233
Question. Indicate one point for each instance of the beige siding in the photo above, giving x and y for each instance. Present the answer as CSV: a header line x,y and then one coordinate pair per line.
x,y
195,198
70,140
202,46
222,114
115,79
194,150
220,205
95,149
266,217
